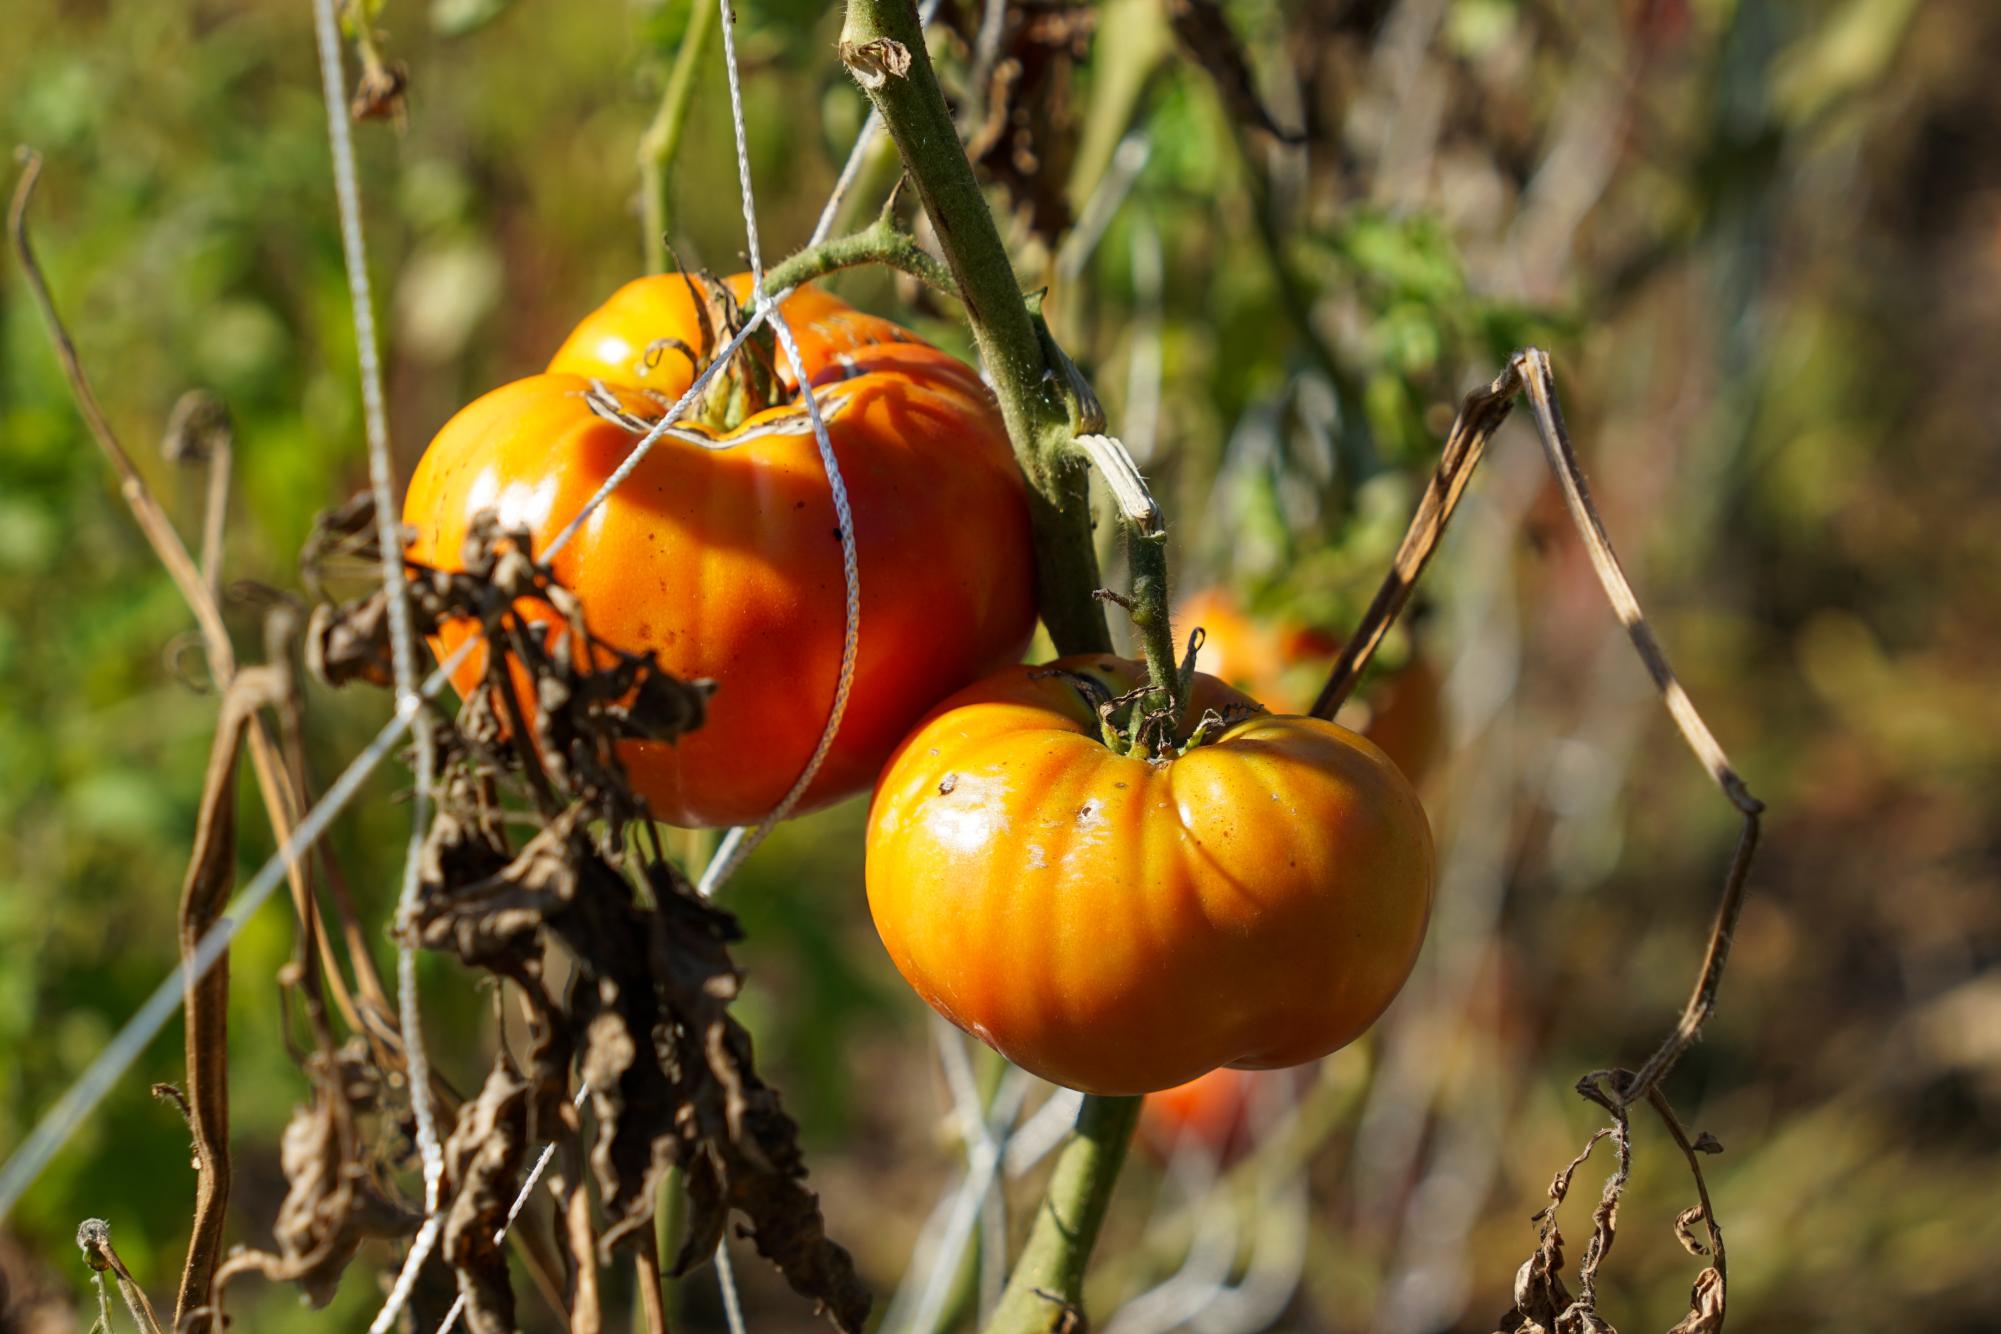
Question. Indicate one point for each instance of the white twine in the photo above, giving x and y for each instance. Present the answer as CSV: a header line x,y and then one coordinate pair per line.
x,y
972,1198
402,643
739,843
62,1119
33,1155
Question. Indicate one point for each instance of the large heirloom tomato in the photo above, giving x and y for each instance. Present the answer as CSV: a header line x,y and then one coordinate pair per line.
x,y
727,563
1121,924
1281,665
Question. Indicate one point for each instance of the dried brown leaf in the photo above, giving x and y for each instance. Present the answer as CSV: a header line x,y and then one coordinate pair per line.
x,y
1705,1306
483,1161
1027,137
333,1200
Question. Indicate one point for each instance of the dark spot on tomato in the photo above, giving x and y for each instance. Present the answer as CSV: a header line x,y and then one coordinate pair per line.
x,y
798,504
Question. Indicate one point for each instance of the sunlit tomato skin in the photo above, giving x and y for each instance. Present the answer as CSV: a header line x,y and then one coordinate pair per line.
x,y
1121,925
727,564
1282,665
621,342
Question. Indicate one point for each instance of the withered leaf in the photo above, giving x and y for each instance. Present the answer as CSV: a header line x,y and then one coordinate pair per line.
x,y
876,62
670,1074
1027,139
1705,1299
483,1161
332,1201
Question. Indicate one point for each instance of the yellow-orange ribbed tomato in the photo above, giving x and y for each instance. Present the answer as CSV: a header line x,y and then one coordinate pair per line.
x,y
1282,665
727,564
1120,924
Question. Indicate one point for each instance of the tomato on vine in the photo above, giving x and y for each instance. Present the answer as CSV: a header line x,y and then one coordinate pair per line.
x,y
1219,1111
726,563
1121,918
1281,662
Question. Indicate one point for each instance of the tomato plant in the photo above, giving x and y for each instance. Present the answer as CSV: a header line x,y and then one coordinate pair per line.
x,y
1252,895
1281,663
726,564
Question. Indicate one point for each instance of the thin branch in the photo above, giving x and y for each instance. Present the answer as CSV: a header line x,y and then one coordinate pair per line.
x,y
1540,384
574,1210
661,143
1528,373
1479,417
1146,553
211,868
199,432
1689,1151
646,1278
881,242
153,521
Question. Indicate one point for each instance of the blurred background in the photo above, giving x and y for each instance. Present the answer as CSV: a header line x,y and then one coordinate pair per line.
x,y
1762,242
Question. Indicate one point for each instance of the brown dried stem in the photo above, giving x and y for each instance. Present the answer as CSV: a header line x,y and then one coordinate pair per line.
x,y
1528,373
282,805
646,1278
574,1202
1479,417
211,873
1540,386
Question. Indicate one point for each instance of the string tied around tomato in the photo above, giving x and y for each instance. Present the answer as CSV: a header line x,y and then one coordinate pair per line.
x,y
750,382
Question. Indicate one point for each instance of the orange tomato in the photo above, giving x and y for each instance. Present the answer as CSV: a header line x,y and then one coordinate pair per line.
x,y
727,564
1120,924
1213,1110
1283,665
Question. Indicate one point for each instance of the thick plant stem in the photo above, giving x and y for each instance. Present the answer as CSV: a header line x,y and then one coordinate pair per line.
x,y
883,46
662,140
1046,1289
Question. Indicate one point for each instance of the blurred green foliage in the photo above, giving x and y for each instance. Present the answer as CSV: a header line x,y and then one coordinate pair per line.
x,y
1764,243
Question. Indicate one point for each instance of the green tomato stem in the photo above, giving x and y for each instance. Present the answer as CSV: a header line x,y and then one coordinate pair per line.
x,y
661,142
1146,552
1047,1284
881,242
883,46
